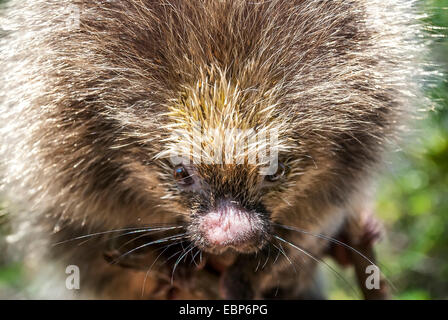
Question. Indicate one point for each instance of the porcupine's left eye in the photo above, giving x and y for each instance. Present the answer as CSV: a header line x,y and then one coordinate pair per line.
x,y
281,170
182,176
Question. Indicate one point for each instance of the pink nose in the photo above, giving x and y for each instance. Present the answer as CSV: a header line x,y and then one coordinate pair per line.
x,y
228,226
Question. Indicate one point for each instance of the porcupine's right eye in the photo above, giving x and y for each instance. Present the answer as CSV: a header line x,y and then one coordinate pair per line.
x,y
182,176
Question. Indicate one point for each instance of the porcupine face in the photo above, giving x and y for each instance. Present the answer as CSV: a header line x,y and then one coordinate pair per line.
x,y
225,115
281,120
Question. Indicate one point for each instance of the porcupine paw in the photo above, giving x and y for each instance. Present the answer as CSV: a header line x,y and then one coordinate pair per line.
x,y
370,230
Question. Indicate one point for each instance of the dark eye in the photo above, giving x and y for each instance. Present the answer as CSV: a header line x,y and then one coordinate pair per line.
x,y
182,176
281,170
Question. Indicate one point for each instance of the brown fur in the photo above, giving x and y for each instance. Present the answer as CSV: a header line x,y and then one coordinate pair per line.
x,y
88,116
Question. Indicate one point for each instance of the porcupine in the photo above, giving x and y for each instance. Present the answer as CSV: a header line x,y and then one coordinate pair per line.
x,y
97,97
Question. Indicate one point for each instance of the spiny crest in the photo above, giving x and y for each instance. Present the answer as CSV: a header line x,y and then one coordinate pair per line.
x,y
217,121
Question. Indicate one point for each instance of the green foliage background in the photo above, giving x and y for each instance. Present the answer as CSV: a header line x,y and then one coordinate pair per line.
x,y
412,198
413,193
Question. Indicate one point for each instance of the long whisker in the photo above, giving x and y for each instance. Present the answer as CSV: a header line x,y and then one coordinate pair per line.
x,y
154,262
319,261
180,259
174,254
125,234
282,251
321,236
278,254
194,257
267,259
258,265
131,231
136,238
170,238
335,241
